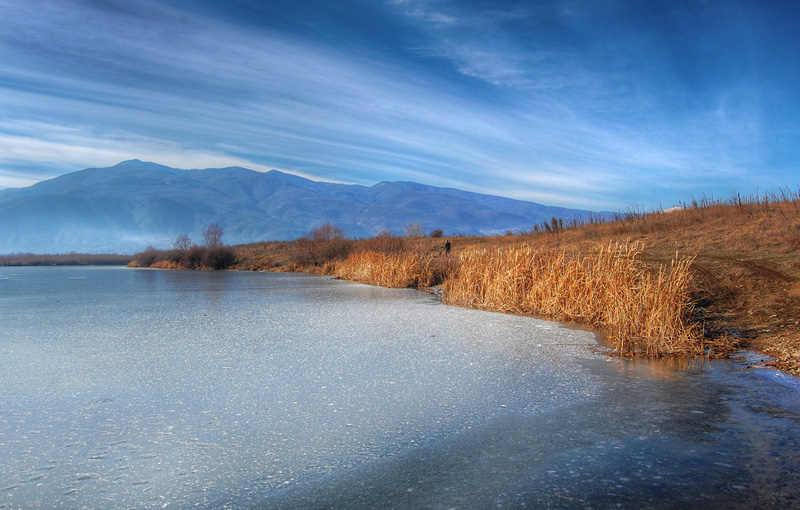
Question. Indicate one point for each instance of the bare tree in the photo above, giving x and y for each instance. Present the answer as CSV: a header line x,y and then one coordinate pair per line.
x,y
182,244
321,245
415,230
213,235
327,232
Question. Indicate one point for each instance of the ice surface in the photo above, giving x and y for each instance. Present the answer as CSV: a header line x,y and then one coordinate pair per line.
x,y
137,388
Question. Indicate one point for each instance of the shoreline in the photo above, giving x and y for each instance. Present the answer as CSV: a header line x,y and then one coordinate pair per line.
x,y
749,357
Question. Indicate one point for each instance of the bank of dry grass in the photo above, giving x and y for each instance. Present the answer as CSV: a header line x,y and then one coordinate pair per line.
x,y
402,269
743,279
642,309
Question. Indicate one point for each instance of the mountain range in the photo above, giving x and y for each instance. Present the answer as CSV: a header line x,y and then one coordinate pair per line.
x,y
124,208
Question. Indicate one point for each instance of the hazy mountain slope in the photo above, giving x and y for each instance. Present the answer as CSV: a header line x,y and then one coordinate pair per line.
x,y
126,207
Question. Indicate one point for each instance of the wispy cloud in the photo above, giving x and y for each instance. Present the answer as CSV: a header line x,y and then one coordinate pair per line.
x,y
577,102
73,151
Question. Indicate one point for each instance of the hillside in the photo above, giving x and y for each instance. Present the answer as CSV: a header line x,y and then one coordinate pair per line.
x,y
746,267
123,209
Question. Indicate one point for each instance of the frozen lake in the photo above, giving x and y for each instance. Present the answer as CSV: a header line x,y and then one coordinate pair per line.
x,y
124,388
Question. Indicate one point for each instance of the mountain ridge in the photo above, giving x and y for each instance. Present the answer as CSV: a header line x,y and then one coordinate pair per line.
x,y
133,204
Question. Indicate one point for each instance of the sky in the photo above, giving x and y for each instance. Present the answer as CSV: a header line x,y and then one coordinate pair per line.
x,y
602,105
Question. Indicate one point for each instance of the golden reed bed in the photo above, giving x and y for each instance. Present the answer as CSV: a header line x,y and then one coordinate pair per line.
x,y
642,309
406,269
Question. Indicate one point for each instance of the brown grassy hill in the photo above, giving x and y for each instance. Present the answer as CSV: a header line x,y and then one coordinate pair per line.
x,y
746,267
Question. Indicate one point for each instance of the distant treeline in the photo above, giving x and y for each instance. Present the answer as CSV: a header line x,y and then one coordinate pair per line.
x,y
65,259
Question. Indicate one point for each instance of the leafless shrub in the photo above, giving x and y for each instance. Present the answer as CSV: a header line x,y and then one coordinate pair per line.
x,y
219,257
384,242
321,245
194,258
148,257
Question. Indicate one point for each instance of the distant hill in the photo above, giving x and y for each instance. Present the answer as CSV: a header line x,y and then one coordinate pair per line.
x,y
131,205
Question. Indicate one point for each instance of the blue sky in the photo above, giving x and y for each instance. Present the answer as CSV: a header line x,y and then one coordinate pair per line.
x,y
591,104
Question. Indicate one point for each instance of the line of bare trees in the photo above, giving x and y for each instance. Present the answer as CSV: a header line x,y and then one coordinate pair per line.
x,y
64,259
213,254
318,247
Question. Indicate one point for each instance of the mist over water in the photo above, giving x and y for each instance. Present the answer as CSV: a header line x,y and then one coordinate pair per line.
x,y
175,389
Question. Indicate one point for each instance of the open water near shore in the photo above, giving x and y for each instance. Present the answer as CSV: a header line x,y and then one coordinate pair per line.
x,y
124,388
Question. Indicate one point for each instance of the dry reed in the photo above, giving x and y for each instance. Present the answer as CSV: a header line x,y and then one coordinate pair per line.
x,y
406,269
643,310
165,264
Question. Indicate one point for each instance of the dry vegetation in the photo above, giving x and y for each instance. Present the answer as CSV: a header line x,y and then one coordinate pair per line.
x,y
406,269
644,310
728,271
65,259
213,254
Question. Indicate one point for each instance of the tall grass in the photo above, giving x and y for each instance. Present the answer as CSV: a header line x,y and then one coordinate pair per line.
x,y
404,269
783,203
642,309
